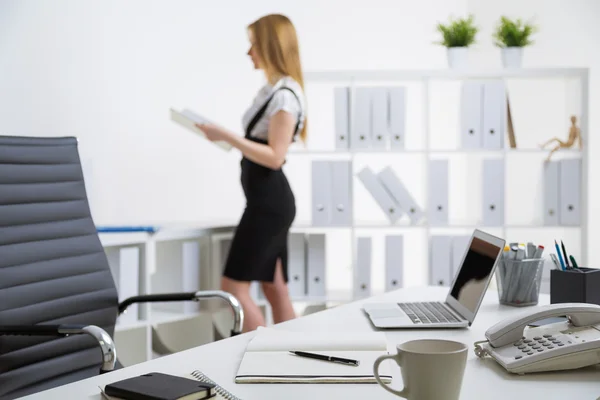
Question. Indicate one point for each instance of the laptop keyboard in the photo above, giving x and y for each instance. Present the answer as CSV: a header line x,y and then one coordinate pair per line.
x,y
427,313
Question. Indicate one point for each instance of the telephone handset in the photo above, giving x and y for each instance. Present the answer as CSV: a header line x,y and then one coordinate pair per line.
x,y
558,346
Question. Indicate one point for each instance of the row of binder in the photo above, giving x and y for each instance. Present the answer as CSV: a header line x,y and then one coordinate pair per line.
x,y
332,203
394,265
391,194
306,265
394,199
445,255
483,114
331,193
562,192
376,118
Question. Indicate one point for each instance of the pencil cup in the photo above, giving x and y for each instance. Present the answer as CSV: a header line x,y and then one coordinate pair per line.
x,y
519,281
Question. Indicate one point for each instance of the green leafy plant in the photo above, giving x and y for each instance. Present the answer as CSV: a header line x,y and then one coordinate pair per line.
x,y
458,32
513,33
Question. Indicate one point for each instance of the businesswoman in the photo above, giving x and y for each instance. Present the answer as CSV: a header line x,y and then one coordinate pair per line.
x,y
276,117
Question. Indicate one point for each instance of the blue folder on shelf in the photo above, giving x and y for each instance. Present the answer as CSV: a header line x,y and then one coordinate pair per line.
x,y
113,229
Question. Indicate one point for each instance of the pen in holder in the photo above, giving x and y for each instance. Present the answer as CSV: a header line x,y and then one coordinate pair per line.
x,y
519,281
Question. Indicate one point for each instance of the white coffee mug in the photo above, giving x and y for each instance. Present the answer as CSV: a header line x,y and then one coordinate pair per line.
x,y
431,369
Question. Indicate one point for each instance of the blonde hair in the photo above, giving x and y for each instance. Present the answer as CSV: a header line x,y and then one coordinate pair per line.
x,y
277,45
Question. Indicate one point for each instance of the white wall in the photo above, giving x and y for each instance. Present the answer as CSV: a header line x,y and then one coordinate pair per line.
x,y
107,71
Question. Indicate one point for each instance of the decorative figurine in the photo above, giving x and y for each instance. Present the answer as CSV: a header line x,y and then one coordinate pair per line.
x,y
574,134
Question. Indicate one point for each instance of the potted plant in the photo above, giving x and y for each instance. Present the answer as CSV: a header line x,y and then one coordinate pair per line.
x,y
457,36
511,36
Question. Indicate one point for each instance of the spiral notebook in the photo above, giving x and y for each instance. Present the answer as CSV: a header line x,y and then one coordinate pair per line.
x,y
222,394
268,359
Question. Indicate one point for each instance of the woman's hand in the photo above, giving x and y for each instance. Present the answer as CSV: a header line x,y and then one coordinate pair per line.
x,y
215,133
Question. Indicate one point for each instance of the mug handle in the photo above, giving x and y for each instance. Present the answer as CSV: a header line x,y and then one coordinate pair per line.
x,y
395,357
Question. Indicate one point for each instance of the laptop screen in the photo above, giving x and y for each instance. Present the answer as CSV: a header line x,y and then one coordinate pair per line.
x,y
473,277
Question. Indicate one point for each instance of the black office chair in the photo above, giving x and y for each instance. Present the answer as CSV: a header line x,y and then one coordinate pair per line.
x,y
56,287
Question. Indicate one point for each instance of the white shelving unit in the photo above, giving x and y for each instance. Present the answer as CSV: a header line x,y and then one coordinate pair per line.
x,y
328,80
160,253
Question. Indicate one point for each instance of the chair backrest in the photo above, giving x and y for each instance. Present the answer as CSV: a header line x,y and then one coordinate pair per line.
x,y
53,268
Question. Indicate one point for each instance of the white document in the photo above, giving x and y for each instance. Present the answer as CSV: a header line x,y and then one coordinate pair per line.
x,y
189,120
268,359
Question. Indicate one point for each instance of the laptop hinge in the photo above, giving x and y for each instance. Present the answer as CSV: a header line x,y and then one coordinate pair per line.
x,y
456,313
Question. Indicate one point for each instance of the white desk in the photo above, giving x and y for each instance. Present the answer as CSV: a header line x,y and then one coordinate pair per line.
x,y
484,379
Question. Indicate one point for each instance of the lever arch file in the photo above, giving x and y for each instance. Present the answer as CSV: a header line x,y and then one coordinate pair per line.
x,y
380,194
401,195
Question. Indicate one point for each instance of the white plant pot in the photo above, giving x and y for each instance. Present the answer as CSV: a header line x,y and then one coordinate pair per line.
x,y
512,57
458,57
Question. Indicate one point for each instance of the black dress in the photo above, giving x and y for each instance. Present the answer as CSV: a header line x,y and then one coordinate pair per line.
x,y
262,233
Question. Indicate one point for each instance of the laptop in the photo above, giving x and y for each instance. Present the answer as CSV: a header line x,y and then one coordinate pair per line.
x,y
464,297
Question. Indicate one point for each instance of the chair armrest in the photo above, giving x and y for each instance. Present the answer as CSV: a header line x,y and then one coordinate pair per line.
x,y
238,312
109,352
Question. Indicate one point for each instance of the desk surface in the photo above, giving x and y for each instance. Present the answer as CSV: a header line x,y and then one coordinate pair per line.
x,y
484,378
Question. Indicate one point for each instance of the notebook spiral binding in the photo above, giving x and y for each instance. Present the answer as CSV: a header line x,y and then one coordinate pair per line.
x,y
222,392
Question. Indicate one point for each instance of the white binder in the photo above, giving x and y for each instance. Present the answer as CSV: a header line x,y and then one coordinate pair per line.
x,y
494,114
570,191
379,118
316,265
438,192
342,117
401,195
439,264
321,193
190,273
394,262
397,110
125,264
493,192
551,193
459,247
297,265
380,194
341,184
471,114
360,137
362,273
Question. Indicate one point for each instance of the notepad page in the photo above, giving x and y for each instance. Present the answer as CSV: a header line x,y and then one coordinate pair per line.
x,y
268,339
268,358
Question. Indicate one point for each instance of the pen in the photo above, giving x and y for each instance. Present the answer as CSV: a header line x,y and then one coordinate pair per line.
x,y
555,261
565,255
338,360
574,262
562,263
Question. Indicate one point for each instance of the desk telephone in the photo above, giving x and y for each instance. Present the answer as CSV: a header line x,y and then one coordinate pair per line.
x,y
572,344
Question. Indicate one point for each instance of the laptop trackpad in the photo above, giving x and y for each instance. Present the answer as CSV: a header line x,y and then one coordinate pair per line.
x,y
386,313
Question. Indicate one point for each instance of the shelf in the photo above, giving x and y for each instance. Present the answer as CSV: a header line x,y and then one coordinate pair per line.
x,y
443,74
385,225
432,151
